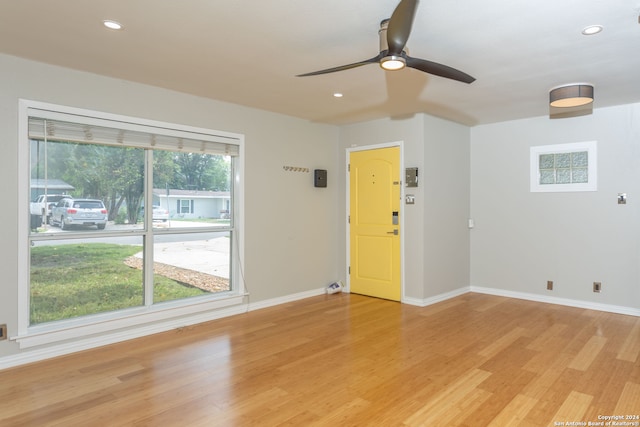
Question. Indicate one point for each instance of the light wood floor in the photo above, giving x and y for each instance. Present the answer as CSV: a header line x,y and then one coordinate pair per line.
x,y
341,360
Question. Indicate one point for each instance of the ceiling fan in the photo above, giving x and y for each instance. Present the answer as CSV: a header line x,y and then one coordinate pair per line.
x,y
394,34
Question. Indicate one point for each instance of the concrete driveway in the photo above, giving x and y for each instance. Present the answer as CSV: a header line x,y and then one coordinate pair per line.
x,y
206,256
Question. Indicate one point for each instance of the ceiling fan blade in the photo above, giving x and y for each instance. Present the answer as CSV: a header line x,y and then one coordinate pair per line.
x,y
343,67
400,26
438,69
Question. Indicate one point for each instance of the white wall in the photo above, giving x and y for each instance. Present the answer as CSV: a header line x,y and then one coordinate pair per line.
x,y
291,228
436,238
445,181
522,239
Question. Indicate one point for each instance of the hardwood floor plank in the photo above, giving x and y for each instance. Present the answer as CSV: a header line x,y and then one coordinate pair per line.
x,y
346,413
51,415
442,407
588,353
545,380
501,343
504,385
552,337
62,390
573,409
515,412
629,402
631,347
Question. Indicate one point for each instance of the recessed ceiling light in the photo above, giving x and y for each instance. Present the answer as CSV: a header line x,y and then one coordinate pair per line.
x,y
113,25
337,95
591,30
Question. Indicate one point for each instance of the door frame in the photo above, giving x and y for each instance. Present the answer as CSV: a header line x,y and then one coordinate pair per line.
x,y
401,213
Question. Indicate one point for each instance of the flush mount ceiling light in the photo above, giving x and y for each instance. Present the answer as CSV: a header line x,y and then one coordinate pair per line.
x,y
113,25
571,95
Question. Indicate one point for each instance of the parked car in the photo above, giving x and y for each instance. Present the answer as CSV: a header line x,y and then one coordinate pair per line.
x,y
68,212
159,214
43,204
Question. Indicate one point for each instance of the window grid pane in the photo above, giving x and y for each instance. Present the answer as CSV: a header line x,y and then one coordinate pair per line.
x,y
563,168
69,280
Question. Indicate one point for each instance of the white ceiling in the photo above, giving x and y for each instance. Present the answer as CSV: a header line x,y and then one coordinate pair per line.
x,y
248,52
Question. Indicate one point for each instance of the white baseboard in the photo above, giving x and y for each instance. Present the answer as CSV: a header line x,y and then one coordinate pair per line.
x,y
629,311
65,348
609,308
435,299
285,299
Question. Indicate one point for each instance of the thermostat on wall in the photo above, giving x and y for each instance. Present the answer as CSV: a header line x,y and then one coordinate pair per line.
x,y
320,178
411,177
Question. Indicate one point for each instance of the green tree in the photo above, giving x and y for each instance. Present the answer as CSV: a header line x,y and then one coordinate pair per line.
x,y
201,172
115,175
163,169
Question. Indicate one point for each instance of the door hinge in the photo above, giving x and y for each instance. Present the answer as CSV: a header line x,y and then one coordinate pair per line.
x,y
349,269
349,219
349,167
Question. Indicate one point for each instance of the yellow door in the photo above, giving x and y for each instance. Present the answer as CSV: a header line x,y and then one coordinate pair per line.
x,y
374,209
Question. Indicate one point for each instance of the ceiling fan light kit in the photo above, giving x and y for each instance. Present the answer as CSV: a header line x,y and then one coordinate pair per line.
x,y
393,62
571,95
394,34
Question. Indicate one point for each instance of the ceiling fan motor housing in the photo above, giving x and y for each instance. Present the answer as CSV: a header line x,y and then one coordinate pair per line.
x,y
382,35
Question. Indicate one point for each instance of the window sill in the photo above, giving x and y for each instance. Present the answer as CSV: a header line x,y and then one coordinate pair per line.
x,y
132,323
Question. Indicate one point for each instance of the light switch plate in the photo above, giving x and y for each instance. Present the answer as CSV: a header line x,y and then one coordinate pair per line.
x,y
410,199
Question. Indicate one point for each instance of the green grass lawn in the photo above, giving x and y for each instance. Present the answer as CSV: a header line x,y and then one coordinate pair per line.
x,y
79,279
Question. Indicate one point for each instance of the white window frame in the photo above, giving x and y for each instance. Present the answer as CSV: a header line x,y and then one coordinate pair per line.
x,y
191,209
591,147
135,321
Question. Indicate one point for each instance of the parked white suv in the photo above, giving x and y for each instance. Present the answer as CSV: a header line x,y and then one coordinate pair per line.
x,y
43,204
68,212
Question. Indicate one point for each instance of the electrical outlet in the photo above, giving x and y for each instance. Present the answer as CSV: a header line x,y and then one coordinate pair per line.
x,y
549,285
3,332
597,286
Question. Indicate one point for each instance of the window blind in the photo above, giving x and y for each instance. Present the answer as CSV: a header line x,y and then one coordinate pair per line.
x,y
56,126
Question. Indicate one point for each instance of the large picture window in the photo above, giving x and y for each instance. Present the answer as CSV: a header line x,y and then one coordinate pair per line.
x,y
125,216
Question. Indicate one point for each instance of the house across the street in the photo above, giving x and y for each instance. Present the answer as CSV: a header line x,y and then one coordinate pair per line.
x,y
49,186
193,203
